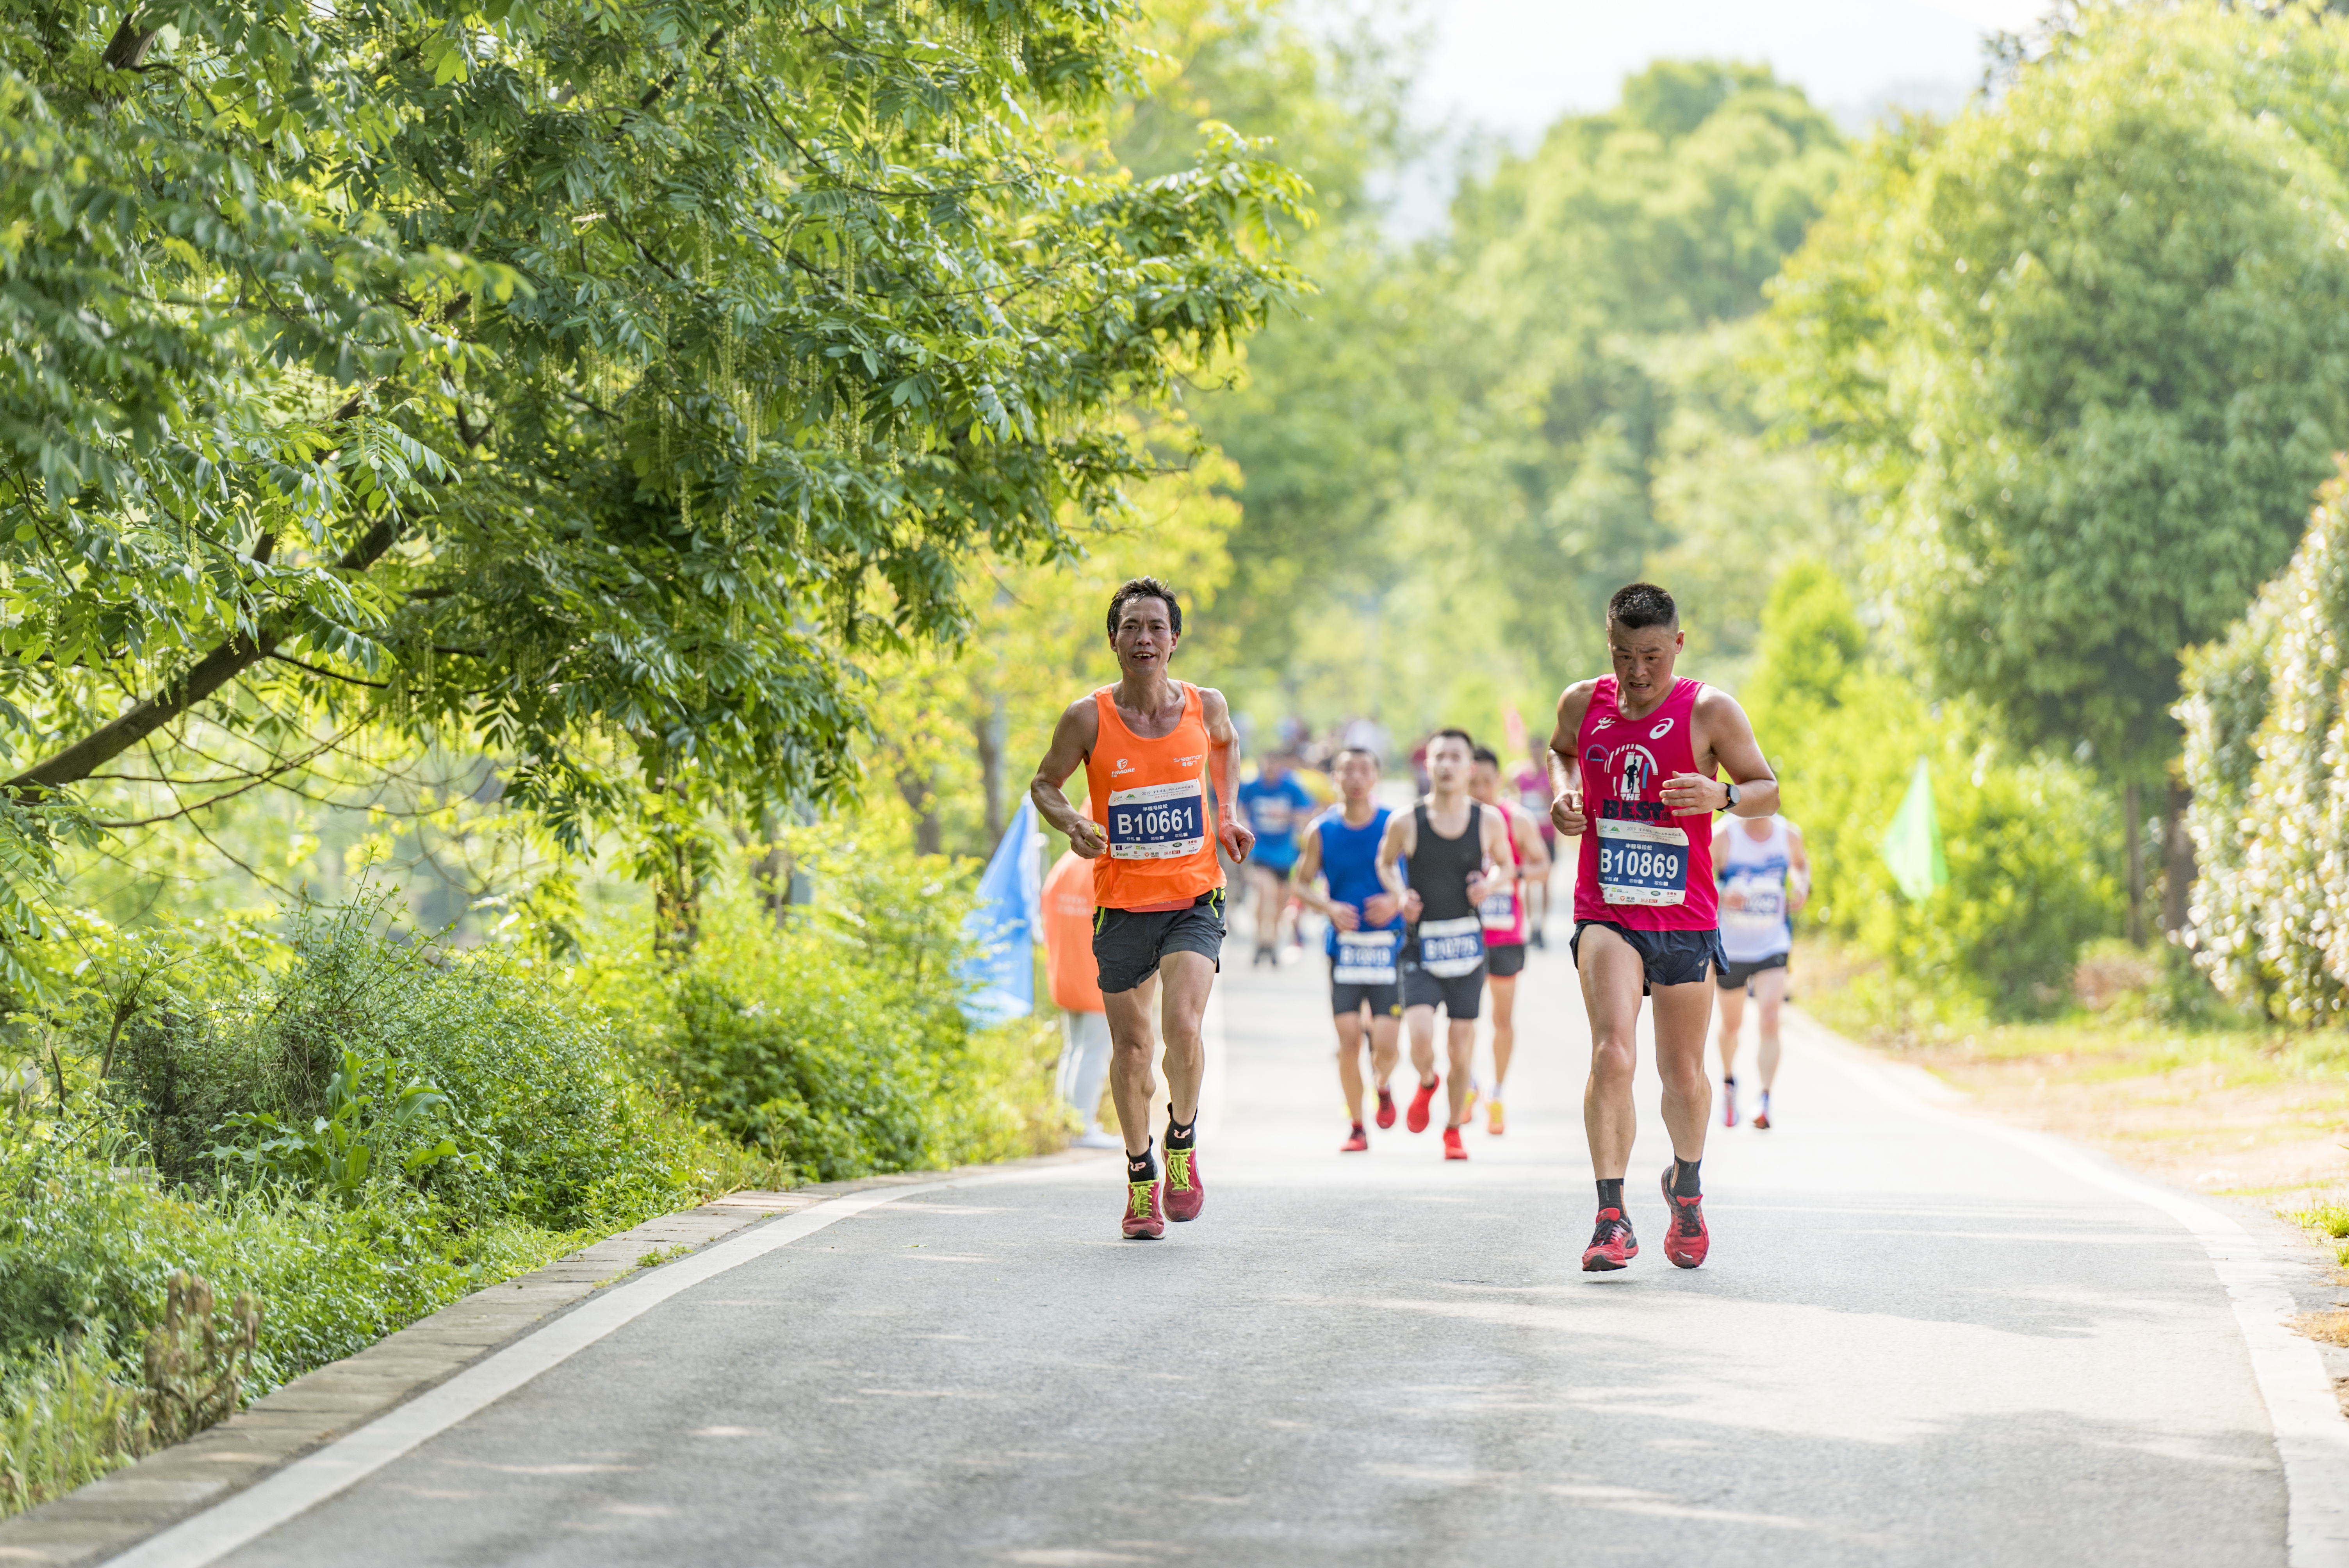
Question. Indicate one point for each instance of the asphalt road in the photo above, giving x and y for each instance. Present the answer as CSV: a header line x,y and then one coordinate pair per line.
x,y
1914,1343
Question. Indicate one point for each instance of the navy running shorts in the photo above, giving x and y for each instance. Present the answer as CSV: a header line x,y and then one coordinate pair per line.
x,y
1666,957
1738,977
1460,995
1505,958
1348,996
1129,943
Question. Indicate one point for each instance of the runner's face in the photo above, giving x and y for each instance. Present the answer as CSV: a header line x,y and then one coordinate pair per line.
x,y
1146,637
1447,763
1643,660
1357,777
1485,781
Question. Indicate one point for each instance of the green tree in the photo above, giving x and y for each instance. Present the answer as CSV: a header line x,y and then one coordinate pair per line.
x,y
2086,350
584,384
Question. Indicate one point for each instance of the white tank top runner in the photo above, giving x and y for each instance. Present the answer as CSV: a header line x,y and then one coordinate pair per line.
x,y
1757,872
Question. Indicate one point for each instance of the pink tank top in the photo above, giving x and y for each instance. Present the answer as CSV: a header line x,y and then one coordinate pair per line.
x,y
1504,913
1641,867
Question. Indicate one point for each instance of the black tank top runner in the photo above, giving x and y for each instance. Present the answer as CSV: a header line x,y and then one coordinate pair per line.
x,y
1439,867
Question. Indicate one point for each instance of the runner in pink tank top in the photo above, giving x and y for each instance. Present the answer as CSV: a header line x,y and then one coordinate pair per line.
x,y
1635,763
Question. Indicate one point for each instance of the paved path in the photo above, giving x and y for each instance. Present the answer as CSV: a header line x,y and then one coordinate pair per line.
x,y
1916,1342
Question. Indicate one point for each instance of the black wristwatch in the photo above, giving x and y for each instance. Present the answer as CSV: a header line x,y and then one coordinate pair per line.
x,y
1731,805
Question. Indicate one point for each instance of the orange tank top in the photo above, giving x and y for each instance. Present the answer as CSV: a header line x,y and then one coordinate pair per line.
x,y
1149,797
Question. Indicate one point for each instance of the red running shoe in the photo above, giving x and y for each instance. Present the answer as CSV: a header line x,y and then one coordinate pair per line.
x,y
1144,1222
1357,1143
1184,1195
1612,1245
1687,1241
1762,1120
1452,1149
1386,1107
1729,1102
1416,1118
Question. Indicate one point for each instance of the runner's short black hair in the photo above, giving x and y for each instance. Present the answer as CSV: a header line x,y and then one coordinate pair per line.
x,y
1462,736
1484,754
1638,604
1145,588
1346,751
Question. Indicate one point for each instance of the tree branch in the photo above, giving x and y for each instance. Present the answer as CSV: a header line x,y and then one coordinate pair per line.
x,y
211,672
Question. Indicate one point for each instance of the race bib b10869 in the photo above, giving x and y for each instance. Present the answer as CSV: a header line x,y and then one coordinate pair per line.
x,y
1157,822
1641,863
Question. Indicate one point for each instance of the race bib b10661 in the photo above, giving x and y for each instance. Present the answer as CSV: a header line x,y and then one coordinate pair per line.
x,y
1641,863
1157,822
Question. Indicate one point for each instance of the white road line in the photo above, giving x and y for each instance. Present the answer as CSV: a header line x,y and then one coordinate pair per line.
x,y
209,1536
2312,1435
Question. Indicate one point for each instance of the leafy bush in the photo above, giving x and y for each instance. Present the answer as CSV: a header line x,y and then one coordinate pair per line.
x,y
2265,739
839,1044
2030,841
538,1095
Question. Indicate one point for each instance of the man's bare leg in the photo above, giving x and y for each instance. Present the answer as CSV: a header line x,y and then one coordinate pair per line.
x,y
1460,1044
1505,1027
1271,893
1184,980
1681,1013
1386,1048
1421,1021
1611,975
1732,1020
1769,997
1349,1062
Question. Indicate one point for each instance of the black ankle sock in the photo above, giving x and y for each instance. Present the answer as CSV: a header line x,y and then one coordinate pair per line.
x,y
1181,1137
1142,1167
1610,1193
1684,1182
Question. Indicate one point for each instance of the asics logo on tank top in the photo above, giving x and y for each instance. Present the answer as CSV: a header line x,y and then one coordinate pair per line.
x,y
1661,730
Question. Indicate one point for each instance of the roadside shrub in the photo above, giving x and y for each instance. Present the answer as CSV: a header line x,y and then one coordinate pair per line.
x,y
837,1043
2266,736
2030,841
536,1095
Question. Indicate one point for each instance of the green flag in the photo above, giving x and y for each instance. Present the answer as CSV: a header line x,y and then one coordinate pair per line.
x,y
1912,845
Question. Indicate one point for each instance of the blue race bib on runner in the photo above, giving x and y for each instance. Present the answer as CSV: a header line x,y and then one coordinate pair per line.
x,y
1641,863
1451,948
1157,822
1366,957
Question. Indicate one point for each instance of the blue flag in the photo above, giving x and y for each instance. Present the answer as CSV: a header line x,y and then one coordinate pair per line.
x,y
1006,927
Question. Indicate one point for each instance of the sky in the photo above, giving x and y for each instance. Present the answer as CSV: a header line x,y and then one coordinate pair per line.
x,y
1515,65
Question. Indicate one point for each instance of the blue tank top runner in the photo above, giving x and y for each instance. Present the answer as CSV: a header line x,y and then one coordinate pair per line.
x,y
1349,860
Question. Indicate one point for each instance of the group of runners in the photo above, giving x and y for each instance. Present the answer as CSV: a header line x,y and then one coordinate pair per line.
x,y
1431,908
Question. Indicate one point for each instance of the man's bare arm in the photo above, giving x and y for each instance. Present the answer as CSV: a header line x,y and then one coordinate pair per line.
x,y
1307,872
1532,854
1719,728
1500,867
1223,744
1073,737
1798,868
1394,846
1564,768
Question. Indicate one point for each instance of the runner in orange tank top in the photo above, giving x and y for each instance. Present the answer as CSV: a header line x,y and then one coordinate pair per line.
x,y
1152,747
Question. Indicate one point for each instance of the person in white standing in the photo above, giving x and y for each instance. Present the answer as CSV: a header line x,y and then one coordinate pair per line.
x,y
1765,876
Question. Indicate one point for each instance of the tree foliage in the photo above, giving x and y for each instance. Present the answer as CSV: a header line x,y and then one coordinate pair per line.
x,y
579,382
2086,349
